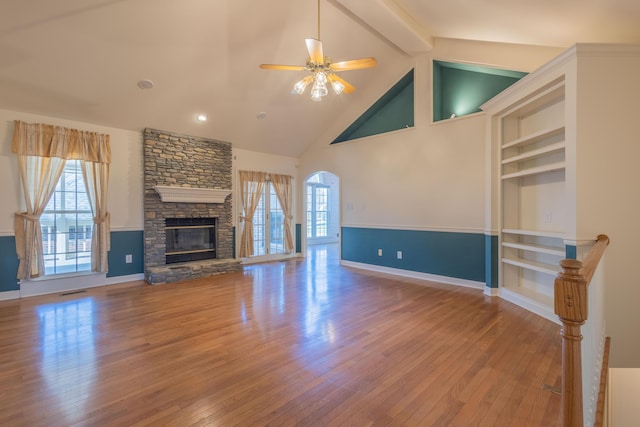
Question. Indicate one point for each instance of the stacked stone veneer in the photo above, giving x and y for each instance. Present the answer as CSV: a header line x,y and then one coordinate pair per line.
x,y
185,161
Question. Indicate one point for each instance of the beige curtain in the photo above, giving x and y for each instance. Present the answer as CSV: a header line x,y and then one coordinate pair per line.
x,y
251,187
39,176
42,151
284,192
96,181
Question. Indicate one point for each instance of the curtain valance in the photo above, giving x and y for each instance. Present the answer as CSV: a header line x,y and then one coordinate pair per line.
x,y
36,139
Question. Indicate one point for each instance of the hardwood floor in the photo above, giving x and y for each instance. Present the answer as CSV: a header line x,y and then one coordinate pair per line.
x,y
303,342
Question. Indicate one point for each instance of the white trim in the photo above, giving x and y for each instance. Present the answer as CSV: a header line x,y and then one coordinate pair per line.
x,y
43,286
66,283
579,242
11,233
491,292
123,279
7,295
416,275
418,228
191,195
114,228
529,304
457,118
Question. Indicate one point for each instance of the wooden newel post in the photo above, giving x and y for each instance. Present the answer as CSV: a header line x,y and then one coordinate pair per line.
x,y
570,302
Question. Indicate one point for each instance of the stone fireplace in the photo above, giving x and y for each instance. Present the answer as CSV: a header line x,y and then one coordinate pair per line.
x,y
188,227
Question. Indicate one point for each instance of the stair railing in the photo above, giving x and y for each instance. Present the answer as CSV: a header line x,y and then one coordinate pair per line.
x,y
570,304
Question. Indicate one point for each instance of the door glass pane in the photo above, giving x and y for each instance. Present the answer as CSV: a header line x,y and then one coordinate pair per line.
x,y
258,228
276,224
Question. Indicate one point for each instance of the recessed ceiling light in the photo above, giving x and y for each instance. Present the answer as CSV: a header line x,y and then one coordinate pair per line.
x,y
145,84
261,115
202,117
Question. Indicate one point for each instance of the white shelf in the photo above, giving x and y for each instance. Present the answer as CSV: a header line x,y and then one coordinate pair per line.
x,y
535,171
191,195
535,137
535,233
533,265
534,154
542,249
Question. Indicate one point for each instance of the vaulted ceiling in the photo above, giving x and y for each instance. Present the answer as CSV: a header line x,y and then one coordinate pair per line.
x,y
82,59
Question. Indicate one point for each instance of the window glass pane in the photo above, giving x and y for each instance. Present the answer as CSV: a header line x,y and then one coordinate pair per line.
x,y
83,202
66,224
321,224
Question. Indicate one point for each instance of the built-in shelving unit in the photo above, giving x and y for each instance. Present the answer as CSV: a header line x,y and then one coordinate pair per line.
x,y
529,133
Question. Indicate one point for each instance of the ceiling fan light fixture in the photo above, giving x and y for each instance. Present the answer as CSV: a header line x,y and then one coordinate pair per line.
x,y
301,85
322,70
319,88
337,87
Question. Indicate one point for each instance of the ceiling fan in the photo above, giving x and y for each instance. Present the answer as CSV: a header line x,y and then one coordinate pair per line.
x,y
322,70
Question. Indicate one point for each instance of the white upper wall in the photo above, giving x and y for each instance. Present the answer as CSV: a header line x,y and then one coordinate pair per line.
x,y
125,181
431,176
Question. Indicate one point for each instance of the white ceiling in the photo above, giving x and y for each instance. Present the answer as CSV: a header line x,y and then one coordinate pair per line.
x,y
82,59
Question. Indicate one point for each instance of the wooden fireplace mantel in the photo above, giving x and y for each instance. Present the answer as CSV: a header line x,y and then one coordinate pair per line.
x,y
191,195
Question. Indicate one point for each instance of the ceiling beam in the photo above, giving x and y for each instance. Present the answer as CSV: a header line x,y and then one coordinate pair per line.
x,y
393,23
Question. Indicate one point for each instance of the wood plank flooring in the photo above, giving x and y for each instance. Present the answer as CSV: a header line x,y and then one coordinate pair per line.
x,y
304,342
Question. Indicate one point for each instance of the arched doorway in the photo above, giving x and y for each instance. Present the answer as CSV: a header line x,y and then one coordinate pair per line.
x,y
322,209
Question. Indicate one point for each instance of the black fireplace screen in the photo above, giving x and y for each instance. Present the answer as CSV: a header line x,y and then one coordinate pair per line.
x,y
190,239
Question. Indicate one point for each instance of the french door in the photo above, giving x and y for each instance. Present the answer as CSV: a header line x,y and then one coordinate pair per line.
x,y
268,224
317,210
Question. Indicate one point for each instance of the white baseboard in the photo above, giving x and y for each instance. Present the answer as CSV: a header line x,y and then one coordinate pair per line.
x,y
29,288
4,296
122,279
533,306
491,292
416,275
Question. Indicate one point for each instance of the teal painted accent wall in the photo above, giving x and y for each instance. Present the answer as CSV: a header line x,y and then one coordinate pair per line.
x,y
462,89
393,111
571,252
457,255
491,261
298,238
8,264
123,243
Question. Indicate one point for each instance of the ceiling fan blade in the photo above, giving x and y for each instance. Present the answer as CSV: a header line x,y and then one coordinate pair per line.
x,y
283,67
314,47
354,64
348,87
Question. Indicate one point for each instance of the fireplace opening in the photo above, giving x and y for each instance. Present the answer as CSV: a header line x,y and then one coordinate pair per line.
x,y
190,239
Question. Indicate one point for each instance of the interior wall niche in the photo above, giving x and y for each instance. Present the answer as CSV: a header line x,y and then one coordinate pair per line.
x,y
460,89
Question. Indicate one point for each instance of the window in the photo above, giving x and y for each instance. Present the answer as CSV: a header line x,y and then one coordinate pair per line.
x,y
67,224
317,210
268,224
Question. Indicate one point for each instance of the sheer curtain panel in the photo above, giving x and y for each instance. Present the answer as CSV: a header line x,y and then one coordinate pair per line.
x,y
251,187
284,192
